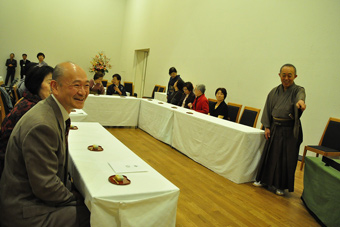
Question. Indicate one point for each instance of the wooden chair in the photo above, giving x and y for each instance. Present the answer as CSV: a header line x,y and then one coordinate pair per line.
x,y
161,88
212,100
155,89
4,108
329,144
104,82
249,116
16,94
262,127
233,111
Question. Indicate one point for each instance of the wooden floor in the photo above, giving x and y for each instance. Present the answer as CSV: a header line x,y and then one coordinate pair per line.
x,y
208,199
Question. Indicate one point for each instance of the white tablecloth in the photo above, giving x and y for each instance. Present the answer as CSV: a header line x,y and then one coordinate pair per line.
x,y
156,118
161,96
229,149
150,199
111,110
78,115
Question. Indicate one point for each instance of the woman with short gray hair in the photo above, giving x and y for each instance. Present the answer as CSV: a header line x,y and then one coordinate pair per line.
x,y
201,103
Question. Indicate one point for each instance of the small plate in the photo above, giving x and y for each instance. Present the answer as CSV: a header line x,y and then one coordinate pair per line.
x,y
125,181
92,149
73,127
190,113
174,107
160,103
149,99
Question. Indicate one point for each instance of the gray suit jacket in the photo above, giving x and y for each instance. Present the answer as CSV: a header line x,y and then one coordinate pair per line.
x,y
33,181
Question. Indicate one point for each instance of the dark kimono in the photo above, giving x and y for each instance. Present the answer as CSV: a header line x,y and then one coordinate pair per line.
x,y
112,91
176,97
171,88
7,126
222,109
190,99
280,155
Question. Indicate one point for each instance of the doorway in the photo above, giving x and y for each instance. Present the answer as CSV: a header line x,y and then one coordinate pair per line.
x,y
141,60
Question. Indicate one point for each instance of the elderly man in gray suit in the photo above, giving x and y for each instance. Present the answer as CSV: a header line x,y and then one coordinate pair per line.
x,y
33,187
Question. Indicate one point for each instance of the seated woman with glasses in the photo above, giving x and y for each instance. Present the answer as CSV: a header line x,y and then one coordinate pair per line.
x,y
188,96
219,109
116,88
96,86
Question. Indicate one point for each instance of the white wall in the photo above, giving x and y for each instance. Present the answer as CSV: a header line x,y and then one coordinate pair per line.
x,y
64,30
240,45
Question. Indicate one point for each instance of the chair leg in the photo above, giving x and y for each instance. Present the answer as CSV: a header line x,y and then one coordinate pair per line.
x,y
303,158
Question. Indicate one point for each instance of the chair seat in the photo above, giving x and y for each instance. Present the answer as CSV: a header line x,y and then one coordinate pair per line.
x,y
323,148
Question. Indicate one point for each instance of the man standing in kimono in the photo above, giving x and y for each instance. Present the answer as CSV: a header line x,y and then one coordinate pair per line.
x,y
283,132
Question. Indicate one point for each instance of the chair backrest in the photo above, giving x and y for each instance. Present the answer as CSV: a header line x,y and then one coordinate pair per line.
x,y
104,82
161,89
212,100
155,89
331,134
249,116
16,94
129,87
233,111
5,108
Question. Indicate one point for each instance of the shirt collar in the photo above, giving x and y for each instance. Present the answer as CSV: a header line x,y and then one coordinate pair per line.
x,y
64,113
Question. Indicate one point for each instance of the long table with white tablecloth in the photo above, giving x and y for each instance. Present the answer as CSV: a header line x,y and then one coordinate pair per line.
x,y
111,110
150,199
229,149
77,115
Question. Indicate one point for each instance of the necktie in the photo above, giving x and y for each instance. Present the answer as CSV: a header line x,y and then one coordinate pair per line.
x,y
67,130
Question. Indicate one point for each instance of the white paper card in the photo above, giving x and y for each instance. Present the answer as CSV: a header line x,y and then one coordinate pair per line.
x,y
125,167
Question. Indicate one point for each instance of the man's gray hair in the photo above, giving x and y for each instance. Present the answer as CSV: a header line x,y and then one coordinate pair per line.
x,y
58,72
201,87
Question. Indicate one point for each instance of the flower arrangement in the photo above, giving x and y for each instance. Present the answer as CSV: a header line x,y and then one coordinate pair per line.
x,y
100,63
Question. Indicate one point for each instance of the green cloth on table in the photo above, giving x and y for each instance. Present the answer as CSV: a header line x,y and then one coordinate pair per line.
x,y
321,192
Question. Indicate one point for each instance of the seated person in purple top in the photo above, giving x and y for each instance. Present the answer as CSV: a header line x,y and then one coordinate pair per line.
x,y
37,82
116,88
176,96
219,109
188,96
96,86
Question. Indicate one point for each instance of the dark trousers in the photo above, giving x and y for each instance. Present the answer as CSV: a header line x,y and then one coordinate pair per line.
x,y
10,73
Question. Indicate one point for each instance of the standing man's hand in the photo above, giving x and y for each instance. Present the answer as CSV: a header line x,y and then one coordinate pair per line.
x,y
301,105
267,133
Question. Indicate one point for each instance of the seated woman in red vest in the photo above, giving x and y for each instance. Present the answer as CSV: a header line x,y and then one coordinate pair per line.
x,y
201,103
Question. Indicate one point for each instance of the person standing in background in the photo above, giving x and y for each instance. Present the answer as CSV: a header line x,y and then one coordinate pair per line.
x,y
23,65
11,64
41,58
173,78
